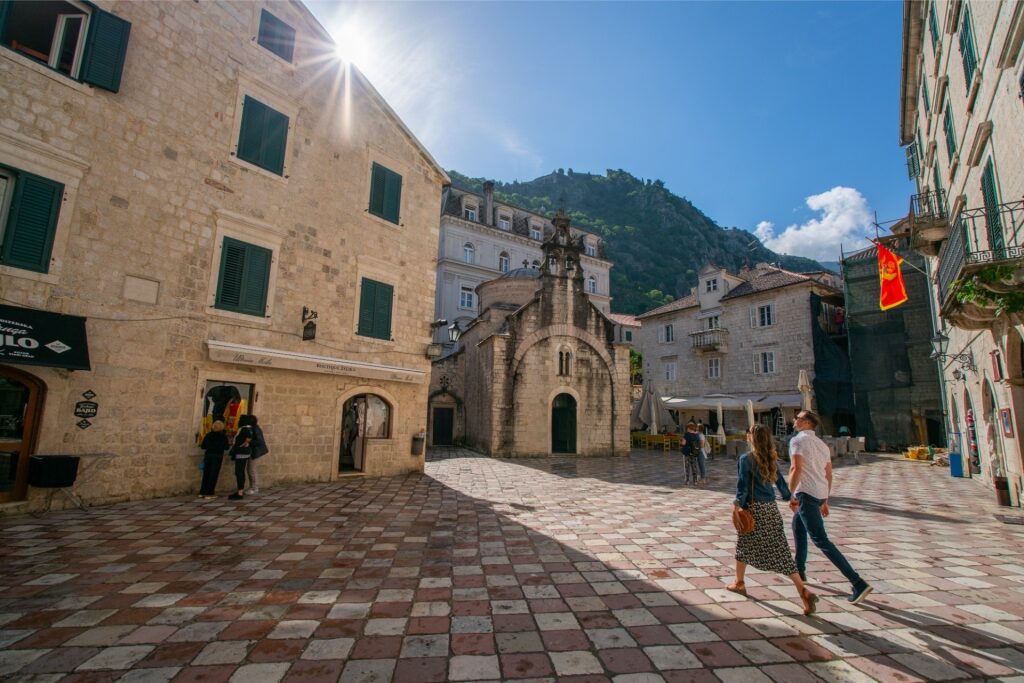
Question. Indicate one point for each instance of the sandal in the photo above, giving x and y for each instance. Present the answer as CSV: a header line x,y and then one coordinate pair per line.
x,y
738,587
810,601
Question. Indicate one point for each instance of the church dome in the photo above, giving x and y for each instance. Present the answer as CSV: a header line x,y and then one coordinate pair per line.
x,y
528,273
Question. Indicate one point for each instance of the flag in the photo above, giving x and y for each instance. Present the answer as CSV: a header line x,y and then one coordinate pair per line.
x,y
892,291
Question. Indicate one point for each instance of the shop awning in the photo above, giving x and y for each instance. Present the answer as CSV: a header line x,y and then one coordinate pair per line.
x,y
228,352
731,401
30,337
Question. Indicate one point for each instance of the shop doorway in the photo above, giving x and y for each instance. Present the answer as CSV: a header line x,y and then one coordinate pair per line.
x,y
442,426
563,424
993,433
363,418
21,408
974,456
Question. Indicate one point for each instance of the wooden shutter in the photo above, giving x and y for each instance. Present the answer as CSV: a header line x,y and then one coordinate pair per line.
x,y
255,280
32,222
105,48
275,140
276,36
993,220
244,277
367,293
232,274
757,364
378,181
753,316
250,134
382,311
392,196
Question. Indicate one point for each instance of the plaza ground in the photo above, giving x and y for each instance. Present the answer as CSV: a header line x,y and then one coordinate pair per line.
x,y
484,569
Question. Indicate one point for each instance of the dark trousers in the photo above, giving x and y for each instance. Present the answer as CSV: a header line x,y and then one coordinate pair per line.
x,y
211,471
240,472
808,522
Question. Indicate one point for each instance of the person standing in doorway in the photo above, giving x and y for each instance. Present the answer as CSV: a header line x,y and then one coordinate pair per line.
x,y
810,480
214,444
259,449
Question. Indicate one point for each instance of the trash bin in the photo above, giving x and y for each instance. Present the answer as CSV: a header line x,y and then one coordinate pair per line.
x,y
956,465
1002,486
52,471
417,443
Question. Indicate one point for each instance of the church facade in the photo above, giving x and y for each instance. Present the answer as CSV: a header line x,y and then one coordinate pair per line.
x,y
538,371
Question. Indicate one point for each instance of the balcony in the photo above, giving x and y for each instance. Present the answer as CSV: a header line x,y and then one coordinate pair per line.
x,y
709,340
929,224
980,240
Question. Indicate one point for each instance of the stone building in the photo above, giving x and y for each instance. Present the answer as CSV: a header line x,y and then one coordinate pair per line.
x,y
205,214
746,336
481,239
538,370
961,122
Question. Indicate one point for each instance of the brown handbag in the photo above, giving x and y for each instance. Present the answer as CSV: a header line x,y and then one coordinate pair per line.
x,y
742,519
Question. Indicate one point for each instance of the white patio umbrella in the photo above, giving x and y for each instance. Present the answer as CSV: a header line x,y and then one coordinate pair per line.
x,y
750,413
654,409
804,385
721,427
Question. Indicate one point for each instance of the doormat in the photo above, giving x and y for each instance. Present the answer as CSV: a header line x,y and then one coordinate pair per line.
x,y
1010,519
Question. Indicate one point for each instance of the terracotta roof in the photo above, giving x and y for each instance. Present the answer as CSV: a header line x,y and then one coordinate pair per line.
x,y
688,301
623,319
765,279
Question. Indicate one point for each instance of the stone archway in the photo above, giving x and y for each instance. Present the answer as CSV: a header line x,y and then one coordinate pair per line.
x,y
21,411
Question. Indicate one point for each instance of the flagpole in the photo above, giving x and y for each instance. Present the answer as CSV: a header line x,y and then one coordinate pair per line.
x,y
902,260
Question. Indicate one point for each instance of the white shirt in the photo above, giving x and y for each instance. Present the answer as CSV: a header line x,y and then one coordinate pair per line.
x,y
815,457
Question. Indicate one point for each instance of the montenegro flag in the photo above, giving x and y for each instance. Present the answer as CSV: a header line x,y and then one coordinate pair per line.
x,y
892,291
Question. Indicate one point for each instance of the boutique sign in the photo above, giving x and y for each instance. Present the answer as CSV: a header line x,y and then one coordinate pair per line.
x,y
29,337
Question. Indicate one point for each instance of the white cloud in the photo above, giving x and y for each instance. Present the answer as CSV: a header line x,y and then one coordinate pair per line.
x,y
845,218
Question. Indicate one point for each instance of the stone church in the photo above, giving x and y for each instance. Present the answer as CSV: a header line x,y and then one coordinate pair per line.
x,y
537,372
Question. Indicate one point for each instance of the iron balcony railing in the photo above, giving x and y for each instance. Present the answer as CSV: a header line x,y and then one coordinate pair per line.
x,y
928,206
980,237
708,339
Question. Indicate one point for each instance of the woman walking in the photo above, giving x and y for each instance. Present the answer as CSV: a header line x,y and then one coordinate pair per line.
x,y
766,547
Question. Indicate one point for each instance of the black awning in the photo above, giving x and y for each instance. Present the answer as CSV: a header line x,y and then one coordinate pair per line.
x,y
29,337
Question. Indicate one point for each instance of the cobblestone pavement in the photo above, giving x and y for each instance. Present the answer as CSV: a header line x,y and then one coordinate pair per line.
x,y
577,570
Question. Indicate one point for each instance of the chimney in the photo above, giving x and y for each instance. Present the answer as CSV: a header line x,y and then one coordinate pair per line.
x,y
488,203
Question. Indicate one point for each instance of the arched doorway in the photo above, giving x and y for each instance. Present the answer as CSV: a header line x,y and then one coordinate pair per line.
x,y
563,424
21,408
973,457
364,417
993,435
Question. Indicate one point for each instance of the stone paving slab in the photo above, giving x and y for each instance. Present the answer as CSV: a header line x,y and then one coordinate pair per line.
x,y
602,569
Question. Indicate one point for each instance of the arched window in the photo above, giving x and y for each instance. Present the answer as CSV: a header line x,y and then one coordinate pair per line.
x,y
592,284
468,252
503,262
564,361
378,418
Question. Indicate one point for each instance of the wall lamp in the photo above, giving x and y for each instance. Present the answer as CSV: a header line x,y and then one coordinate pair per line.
x,y
434,350
940,343
309,317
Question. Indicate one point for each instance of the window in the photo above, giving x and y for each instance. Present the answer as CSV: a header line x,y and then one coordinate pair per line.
x,y
711,285
375,309
503,262
925,96
913,159
665,334
950,129
670,372
263,136
628,335
276,36
378,418
591,249
469,213
29,208
711,323
504,222
385,193
967,52
225,401
592,285
77,39
536,233
467,298
993,219
933,26
762,316
564,362
764,363
714,368
468,253
243,278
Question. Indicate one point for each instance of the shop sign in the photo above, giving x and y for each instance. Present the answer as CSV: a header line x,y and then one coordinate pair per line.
x,y
30,337
86,409
227,352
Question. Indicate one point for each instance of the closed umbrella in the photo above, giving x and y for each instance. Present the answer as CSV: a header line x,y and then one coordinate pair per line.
x,y
804,385
721,425
750,413
654,408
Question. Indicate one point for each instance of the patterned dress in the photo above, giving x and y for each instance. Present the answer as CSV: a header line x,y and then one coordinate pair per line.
x,y
766,547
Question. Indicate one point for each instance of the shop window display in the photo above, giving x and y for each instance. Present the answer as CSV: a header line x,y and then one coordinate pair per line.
x,y
225,401
364,417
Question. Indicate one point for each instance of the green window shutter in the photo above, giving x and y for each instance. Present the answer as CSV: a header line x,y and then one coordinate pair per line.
x,y
950,130
392,196
31,223
276,36
367,294
262,136
244,277
967,53
382,311
933,27
378,181
275,140
993,220
927,98
105,48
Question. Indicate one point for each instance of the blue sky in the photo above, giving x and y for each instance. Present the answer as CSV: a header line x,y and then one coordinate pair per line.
x,y
774,117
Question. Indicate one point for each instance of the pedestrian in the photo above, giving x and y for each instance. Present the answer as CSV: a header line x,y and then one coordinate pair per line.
x,y
259,449
214,444
766,547
691,451
241,453
700,427
702,458
810,479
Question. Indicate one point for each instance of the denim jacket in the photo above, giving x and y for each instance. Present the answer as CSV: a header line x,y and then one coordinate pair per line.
x,y
763,491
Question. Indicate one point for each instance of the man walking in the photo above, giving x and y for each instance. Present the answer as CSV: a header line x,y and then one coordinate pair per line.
x,y
810,480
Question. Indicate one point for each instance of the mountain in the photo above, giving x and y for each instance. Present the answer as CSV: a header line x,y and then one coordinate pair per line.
x,y
656,240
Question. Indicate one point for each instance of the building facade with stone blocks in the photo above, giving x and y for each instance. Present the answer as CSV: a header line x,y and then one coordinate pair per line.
x,y
747,336
961,123
205,214
482,238
538,371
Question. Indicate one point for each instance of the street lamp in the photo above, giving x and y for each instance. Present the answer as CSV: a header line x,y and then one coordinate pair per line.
x,y
940,343
454,331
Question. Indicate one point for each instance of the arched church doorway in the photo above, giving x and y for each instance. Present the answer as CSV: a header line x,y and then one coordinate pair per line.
x,y
21,408
563,424
364,417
